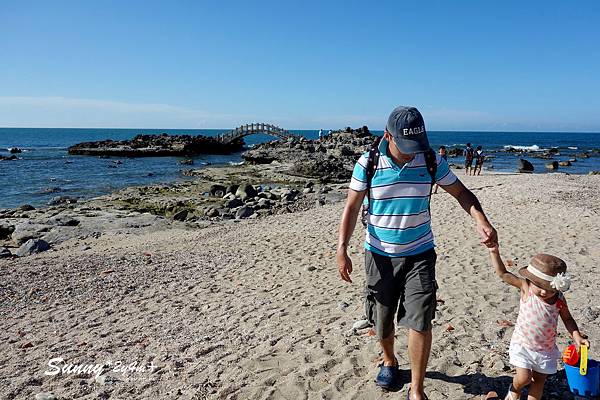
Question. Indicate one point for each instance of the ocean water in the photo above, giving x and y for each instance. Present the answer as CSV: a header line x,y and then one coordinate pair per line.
x,y
45,170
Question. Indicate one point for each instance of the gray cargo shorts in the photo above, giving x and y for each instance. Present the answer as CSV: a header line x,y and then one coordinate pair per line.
x,y
403,284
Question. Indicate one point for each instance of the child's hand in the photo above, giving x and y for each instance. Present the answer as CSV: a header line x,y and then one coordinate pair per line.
x,y
580,339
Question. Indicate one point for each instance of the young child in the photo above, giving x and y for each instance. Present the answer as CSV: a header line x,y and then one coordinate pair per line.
x,y
533,348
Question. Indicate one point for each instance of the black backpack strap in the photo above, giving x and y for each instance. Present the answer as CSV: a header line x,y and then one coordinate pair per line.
x,y
372,162
431,165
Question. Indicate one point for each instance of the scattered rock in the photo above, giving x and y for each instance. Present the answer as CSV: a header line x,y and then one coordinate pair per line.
x,y
361,324
565,163
5,253
217,190
62,200
6,230
45,396
186,162
524,166
212,212
246,191
25,231
180,215
310,268
32,246
343,305
232,189
26,207
63,220
307,190
594,173
234,203
244,212
552,166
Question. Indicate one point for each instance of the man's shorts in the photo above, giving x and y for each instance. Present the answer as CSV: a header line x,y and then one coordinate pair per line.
x,y
469,163
403,284
542,362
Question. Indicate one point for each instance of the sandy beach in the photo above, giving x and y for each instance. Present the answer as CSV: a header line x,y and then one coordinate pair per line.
x,y
255,309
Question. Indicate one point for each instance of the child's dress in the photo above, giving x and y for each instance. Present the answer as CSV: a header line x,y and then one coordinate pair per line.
x,y
533,343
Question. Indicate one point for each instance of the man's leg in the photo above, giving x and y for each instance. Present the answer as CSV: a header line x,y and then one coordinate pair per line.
x,y
387,345
419,347
416,311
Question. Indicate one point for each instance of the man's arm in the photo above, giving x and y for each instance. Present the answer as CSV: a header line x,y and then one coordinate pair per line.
x,y
471,205
347,225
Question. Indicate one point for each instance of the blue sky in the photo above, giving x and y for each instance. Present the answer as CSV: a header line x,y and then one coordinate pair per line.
x,y
467,65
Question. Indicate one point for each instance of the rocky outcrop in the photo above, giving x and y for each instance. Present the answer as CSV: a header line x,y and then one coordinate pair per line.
x,y
156,146
524,166
330,159
32,246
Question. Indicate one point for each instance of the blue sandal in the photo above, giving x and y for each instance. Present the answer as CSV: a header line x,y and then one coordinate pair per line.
x,y
388,377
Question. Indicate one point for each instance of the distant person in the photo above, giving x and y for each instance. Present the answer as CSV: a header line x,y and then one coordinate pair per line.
x,y
442,152
468,153
329,132
320,134
479,159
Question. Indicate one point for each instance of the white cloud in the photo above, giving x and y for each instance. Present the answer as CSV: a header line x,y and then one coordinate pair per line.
x,y
67,112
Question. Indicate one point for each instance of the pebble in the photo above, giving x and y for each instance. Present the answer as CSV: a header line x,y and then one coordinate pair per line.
x,y
343,305
45,396
310,268
4,252
361,324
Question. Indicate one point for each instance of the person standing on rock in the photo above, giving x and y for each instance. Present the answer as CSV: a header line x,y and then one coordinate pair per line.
x,y
399,248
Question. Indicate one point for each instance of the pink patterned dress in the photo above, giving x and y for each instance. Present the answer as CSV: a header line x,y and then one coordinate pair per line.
x,y
536,324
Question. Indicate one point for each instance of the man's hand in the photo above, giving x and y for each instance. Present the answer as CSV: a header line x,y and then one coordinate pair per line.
x,y
344,265
489,236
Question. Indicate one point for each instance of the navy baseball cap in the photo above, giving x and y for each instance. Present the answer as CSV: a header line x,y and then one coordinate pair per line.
x,y
407,127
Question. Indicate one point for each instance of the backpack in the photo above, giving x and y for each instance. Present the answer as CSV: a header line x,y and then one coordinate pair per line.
x,y
469,153
373,161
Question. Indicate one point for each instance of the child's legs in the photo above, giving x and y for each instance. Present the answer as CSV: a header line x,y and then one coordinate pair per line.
x,y
522,379
537,386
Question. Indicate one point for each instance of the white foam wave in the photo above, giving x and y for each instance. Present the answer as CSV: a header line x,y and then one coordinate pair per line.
x,y
535,147
573,147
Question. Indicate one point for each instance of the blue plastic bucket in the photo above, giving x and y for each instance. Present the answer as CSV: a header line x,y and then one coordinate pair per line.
x,y
584,385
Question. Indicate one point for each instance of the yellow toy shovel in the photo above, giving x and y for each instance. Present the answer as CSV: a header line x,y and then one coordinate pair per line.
x,y
583,359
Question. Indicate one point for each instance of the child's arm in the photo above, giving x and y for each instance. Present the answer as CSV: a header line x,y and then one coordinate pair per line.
x,y
501,271
571,325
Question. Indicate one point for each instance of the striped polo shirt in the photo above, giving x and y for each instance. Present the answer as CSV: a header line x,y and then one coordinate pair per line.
x,y
399,223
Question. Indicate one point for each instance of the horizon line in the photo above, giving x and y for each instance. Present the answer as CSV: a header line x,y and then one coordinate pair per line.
x,y
289,129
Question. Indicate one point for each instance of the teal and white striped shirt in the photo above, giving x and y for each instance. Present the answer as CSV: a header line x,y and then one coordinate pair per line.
x,y
399,223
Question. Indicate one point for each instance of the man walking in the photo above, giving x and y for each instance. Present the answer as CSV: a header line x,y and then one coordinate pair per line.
x,y
399,247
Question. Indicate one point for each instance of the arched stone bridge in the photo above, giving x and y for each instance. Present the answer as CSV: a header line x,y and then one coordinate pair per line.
x,y
252,129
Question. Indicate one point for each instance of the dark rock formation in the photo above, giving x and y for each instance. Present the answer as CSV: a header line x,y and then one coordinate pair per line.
x,y
32,246
524,166
330,159
157,145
